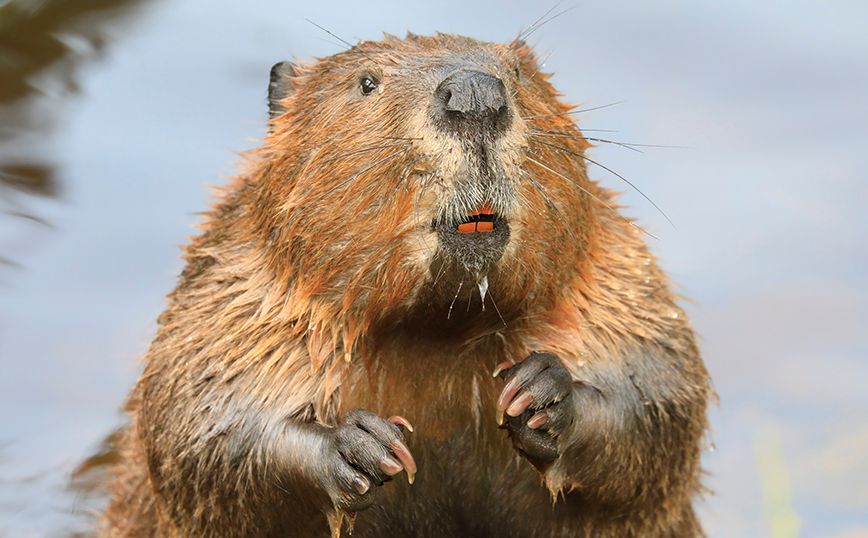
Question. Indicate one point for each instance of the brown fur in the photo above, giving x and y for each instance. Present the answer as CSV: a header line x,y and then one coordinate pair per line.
x,y
316,286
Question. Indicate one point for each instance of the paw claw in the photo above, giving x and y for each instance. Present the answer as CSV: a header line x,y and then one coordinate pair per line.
x,y
397,419
508,392
390,466
537,420
401,450
501,367
361,484
518,405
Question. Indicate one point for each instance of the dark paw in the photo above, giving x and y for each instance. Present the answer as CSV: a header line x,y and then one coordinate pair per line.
x,y
367,450
536,406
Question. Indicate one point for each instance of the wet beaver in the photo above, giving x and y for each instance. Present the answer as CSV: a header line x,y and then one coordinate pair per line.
x,y
418,218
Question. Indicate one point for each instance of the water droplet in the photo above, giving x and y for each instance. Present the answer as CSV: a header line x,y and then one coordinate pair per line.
x,y
483,289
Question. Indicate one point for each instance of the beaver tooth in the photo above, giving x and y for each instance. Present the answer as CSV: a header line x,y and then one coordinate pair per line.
x,y
478,220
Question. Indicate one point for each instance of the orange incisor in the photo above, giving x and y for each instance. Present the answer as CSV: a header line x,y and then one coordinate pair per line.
x,y
478,225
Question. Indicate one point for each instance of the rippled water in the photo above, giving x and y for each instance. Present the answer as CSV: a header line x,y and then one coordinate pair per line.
x,y
114,115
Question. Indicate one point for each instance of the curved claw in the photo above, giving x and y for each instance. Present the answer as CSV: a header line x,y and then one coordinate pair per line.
x,y
390,466
537,420
501,367
400,449
506,396
361,484
397,419
521,402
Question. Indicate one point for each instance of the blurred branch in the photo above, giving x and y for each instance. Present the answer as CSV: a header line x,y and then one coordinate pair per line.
x,y
775,480
42,45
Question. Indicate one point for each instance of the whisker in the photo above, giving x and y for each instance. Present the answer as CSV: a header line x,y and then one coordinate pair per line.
x,y
536,27
575,183
342,184
589,193
364,150
537,185
439,274
532,26
423,243
575,130
579,111
561,133
330,42
403,177
407,138
579,137
491,297
541,64
606,168
449,314
342,40
527,81
664,146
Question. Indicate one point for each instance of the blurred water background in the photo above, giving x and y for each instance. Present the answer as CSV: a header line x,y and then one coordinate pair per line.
x,y
116,114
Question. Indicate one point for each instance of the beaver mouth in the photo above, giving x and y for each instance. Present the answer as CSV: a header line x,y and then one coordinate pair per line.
x,y
478,241
481,220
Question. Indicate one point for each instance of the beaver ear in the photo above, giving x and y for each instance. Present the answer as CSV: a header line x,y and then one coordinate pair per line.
x,y
280,87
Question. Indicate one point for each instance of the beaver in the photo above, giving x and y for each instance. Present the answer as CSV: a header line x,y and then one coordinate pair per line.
x,y
413,277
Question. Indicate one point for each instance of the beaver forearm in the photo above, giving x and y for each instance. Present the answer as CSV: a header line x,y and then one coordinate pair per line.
x,y
260,470
287,471
638,429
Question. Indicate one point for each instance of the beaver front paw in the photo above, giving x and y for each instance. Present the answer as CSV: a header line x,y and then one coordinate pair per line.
x,y
365,451
537,400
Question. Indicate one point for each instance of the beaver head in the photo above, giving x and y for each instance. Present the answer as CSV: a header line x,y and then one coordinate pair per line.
x,y
397,171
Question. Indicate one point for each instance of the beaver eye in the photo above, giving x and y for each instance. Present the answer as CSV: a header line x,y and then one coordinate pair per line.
x,y
518,73
367,85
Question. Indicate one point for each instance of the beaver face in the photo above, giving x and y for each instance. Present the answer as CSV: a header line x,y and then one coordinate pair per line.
x,y
426,152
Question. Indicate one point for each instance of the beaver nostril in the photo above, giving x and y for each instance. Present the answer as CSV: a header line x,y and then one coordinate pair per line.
x,y
474,96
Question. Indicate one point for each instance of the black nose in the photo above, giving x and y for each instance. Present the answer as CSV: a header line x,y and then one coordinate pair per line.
x,y
470,98
472,93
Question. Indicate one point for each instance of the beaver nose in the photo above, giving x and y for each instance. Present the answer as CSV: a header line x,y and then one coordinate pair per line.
x,y
474,96
471,93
